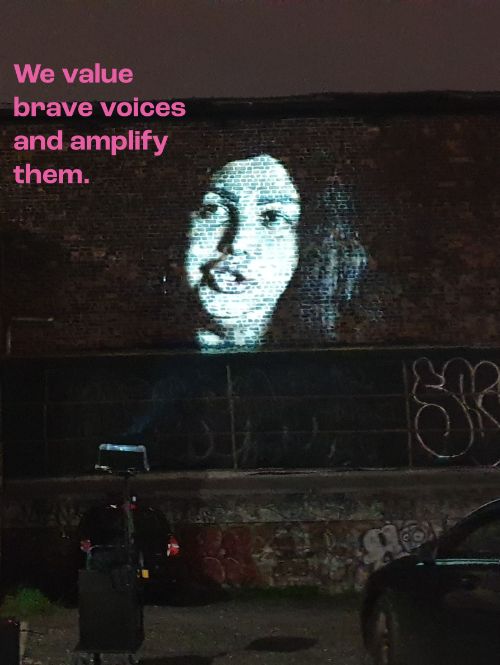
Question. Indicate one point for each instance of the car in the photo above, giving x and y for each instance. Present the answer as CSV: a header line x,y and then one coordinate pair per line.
x,y
156,553
440,604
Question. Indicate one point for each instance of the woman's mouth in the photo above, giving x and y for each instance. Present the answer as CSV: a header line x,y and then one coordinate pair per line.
x,y
226,280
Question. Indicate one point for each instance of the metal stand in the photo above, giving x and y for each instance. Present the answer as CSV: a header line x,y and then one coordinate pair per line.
x,y
87,652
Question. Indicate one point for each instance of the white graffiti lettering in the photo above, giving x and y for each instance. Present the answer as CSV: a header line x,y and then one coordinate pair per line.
x,y
457,409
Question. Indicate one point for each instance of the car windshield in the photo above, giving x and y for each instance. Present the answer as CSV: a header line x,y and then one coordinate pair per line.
x,y
476,536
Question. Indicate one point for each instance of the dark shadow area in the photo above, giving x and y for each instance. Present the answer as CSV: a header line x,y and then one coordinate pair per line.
x,y
193,596
282,644
31,278
178,660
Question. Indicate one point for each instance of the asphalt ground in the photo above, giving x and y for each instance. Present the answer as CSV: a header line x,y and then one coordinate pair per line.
x,y
241,631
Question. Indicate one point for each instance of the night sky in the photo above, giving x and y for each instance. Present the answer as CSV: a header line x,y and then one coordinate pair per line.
x,y
228,48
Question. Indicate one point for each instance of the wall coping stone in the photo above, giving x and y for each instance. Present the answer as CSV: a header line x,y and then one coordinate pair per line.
x,y
268,481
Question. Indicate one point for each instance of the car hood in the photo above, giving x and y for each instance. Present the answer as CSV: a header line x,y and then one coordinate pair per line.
x,y
396,567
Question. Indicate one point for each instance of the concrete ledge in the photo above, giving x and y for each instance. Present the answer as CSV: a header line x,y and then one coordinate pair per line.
x,y
273,481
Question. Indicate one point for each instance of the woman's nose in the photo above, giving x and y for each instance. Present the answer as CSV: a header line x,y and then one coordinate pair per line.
x,y
241,235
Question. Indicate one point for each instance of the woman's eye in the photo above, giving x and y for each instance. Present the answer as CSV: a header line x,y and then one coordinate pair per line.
x,y
211,209
270,217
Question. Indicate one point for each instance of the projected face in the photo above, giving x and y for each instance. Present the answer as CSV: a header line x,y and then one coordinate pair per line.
x,y
243,247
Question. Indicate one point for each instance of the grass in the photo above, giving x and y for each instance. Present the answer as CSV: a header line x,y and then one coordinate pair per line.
x,y
26,603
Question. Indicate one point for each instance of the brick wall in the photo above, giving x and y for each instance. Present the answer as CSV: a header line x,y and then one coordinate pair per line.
x,y
106,261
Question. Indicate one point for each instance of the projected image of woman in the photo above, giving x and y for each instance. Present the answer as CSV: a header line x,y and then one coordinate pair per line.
x,y
243,249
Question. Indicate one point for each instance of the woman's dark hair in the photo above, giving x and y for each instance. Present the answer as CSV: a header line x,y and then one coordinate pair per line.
x,y
331,262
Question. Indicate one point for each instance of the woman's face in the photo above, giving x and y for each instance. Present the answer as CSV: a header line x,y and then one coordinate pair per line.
x,y
243,243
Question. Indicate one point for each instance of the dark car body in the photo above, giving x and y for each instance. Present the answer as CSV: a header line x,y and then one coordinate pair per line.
x,y
155,551
441,604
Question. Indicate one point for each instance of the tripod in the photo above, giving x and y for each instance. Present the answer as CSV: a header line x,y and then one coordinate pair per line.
x,y
112,587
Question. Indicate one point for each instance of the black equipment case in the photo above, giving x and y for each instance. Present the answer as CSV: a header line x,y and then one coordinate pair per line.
x,y
111,611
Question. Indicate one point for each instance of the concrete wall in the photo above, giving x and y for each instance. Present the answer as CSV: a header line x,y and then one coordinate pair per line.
x,y
313,527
